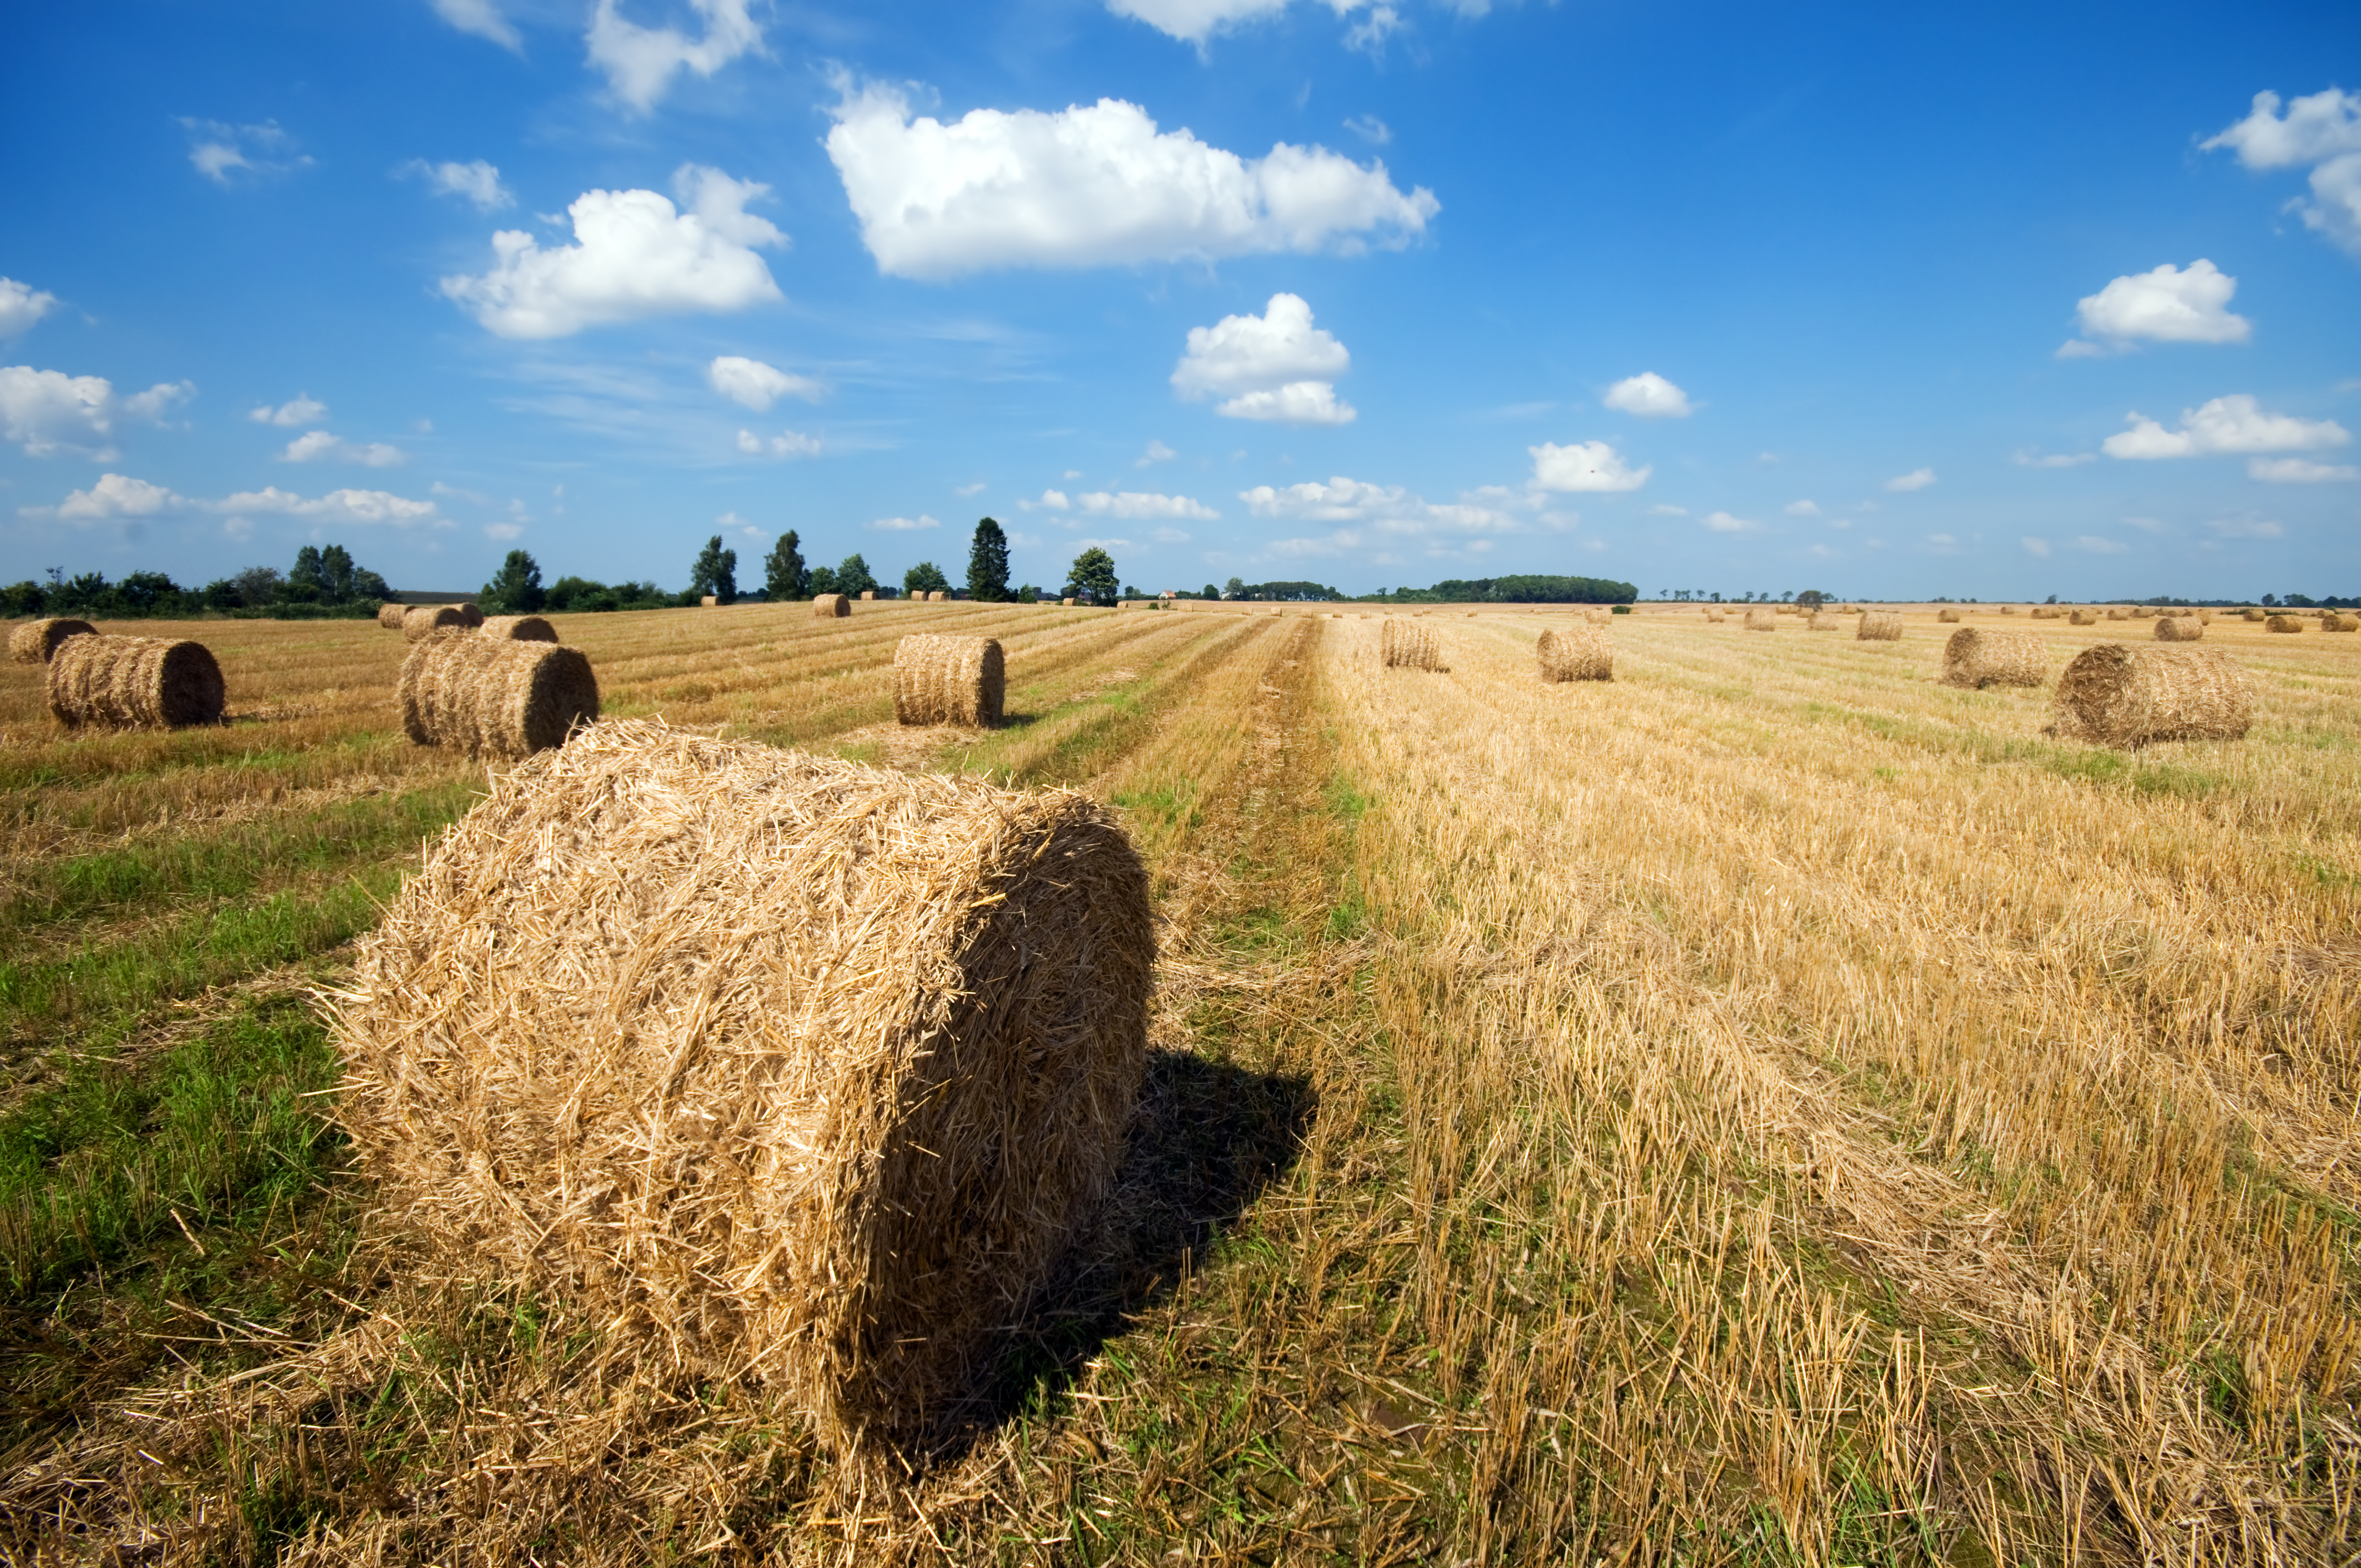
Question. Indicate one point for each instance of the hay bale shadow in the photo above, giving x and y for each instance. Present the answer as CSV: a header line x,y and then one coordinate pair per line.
x,y
1208,1138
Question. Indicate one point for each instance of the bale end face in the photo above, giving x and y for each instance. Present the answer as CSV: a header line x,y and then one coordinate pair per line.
x,y
35,642
1580,653
493,697
134,682
949,680
709,601
1975,658
2122,694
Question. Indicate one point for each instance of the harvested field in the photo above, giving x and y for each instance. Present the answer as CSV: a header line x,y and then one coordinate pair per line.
x,y
1777,1107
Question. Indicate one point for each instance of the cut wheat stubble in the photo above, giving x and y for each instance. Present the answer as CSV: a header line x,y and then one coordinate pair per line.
x,y
792,1068
491,697
942,679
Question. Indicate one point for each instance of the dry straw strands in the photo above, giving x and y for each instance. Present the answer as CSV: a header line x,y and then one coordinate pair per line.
x,y
1407,645
423,621
491,697
826,605
1761,619
390,614
2084,618
125,681
518,629
1879,626
1947,615
2283,623
784,1066
948,680
1583,653
1974,657
33,642
2121,694
2178,629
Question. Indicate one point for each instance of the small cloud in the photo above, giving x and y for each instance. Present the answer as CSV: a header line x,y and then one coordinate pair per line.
x,y
2030,459
906,524
21,305
1916,480
2236,423
1370,129
2145,524
238,528
1168,536
319,446
476,182
2096,544
1072,474
1648,395
482,18
1722,522
1941,542
1136,504
1768,458
300,410
1051,500
1662,509
2166,305
2245,527
114,496
1801,508
1840,522
1586,466
2077,349
786,444
756,385
2298,471
220,151
2036,547
1157,453
504,531
963,491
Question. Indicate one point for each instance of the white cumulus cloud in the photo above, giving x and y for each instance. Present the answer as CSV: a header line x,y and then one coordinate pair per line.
x,y
1359,515
1156,452
757,385
1298,402
786,444
906,524
1090,186
2166,305
2298,471
2322,130
1723,522
21,305
2038,547
2030,459
634,254
300,410
319,446
220,151
1193,21
476,182
1916,480
1648,395
2234,425
1801,508
47,412
1276,366
482,18
1584,466
115,495
359,507
1131,504
640,62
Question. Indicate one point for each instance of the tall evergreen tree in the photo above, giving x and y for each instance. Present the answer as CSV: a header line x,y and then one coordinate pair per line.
x,y
987,563
716,571
784,576
515,588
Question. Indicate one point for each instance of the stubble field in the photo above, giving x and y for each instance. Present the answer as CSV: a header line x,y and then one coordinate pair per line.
x,y
1769,1108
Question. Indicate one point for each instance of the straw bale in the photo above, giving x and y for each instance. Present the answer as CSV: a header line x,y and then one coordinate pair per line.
x,y
120,682
1716,617
2047,612
1068,603
1947,615
1879,626
2335,622
937,595
2283,623
1585,652
826,605
2116,612
1761,619
493,697
475,616
948,680
2123,694
33,642
1408,645
518,629
786,1066
1824,621
2143,612
2084,618
2204,614
390,614
2009,610
423,621
2178,629
867,594
709,601
1977,658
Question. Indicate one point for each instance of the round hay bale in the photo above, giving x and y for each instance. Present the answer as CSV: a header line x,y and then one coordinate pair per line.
x,y
1405,644
785,1066
2287,623
491,697
1976,658
1822,621
423,621
948,680
709,601
36,641
2009,610
2205,616
2084,618
868,594
937,595
2254,615
2178,629
2143,612
1879,626
2335,622
1585,652
826,605
1067,602
2121,693
121,682
518,629
1947,615
390,614
475,618
1761,619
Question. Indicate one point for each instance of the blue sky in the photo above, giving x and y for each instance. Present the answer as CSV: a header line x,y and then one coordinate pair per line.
x,y
1988,301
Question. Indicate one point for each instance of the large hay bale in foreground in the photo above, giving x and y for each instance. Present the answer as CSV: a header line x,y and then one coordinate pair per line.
x,y
1947,615
1977,658
1405,644
780,1065
121,682
2178,629
1761,619
2084,618
423,621
2121,694
33,642
2283,623
491,697
390,614
1585,652
948,680
826,605
1879,626
518,629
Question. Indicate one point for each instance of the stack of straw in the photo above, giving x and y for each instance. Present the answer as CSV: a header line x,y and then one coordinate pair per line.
x,y
2335,622
1947,614
785,1066
948,680
1408,645
1977,658
36,641
491,697
121,682
2119,694
1578,653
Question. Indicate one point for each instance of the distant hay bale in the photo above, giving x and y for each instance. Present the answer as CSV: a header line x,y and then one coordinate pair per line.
x,y
1585,652
2121,694
2254,615
1977,658
2204,616
2047,612
2084,618
518,629
2178,629
2143,612
783,1067
2288,623
868,594
1879,626
1947,615
491,697
2009,610
1068,602
1405,644
36,641
2335,622
423,621
1761,619
390,614
710,601
1823,621
2116,612
824,606
126,682
948,680
1716,617
937,595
